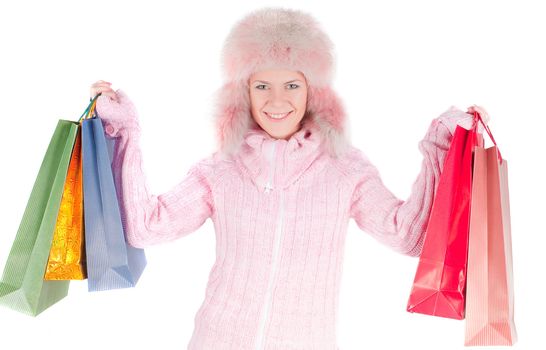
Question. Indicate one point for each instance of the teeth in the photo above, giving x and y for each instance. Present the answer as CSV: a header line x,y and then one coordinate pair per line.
x,y
278,116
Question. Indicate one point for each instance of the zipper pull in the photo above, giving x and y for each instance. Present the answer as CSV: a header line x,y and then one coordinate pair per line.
x,y
268,186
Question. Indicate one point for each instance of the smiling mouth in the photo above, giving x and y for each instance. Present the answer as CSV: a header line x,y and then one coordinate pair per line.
x,y
278,116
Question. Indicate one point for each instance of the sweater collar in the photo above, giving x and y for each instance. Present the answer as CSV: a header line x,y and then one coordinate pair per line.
x,y
277,163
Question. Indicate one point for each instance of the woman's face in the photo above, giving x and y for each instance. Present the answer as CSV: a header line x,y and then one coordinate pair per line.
x,y
278,99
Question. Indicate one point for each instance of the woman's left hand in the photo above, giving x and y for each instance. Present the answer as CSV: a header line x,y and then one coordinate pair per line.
x,y
468,121
481,111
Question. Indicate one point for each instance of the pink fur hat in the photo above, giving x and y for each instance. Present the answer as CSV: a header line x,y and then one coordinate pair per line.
x,y
278,38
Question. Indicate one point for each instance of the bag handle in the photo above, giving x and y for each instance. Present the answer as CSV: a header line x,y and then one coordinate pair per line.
x,y
478,118
90,110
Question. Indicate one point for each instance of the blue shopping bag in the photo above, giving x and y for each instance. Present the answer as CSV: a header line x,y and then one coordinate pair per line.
x,y
111,262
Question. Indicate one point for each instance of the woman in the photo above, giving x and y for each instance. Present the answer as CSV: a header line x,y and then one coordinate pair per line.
x,y
280,189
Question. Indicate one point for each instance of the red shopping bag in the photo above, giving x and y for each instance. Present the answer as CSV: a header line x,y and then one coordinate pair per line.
x,y
490,290
439,284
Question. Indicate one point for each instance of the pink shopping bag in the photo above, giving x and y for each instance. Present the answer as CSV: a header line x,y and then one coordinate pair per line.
x,y
439,285
489,290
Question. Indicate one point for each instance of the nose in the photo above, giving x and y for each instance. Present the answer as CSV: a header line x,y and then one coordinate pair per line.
x,y
279,98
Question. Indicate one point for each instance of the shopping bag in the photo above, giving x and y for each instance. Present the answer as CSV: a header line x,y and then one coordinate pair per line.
x,y
439,284
111,262
67,253
23,287
490,289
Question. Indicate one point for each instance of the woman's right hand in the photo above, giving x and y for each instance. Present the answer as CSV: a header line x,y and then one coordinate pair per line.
x,y
103,87
114,108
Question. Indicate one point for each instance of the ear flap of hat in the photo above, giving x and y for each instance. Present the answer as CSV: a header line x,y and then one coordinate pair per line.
x,y
327,111
232,116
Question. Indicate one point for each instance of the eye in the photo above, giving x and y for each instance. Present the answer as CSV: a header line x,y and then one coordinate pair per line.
x,y
291,86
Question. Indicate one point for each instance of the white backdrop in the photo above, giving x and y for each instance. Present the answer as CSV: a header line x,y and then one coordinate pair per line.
x,y
399,65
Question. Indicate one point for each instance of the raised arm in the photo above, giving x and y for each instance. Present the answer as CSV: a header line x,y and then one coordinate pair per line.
x,y
147,218
397,223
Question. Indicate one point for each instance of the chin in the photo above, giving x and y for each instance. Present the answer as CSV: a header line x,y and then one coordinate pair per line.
x,y
280,134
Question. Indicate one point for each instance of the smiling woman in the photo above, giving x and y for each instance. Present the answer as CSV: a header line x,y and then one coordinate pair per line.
x,y
280,189
278,100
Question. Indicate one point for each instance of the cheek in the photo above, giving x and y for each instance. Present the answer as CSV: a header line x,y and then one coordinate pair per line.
x,y
255,107
301,101
256,101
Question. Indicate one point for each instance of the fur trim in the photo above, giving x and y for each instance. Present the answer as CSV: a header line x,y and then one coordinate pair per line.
x,y
277,38
327,111
272,38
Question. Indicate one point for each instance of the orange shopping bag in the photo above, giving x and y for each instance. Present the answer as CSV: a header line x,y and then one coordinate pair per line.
x,y
67,254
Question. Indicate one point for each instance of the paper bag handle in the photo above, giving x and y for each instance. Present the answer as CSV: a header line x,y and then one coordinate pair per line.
x,y
478,118
90,110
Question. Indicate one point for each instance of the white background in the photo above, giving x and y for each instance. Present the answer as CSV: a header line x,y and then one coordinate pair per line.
x,y
399,65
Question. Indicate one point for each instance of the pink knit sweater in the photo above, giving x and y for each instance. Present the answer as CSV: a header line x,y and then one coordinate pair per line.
x,y
280,210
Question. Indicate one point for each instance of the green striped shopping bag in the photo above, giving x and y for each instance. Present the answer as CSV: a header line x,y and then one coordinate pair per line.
x,y
23,287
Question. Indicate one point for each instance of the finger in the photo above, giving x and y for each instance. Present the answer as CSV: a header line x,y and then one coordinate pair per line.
x,y
481,111
106,92
104,88
102,84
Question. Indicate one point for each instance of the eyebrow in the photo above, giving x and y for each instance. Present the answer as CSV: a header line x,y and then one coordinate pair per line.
x,y
267,82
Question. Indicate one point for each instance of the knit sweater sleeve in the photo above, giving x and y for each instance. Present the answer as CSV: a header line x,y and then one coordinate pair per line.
x,y
401,224
149,218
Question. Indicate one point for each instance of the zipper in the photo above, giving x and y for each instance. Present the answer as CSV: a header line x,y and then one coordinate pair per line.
x,y
278,233
268,186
